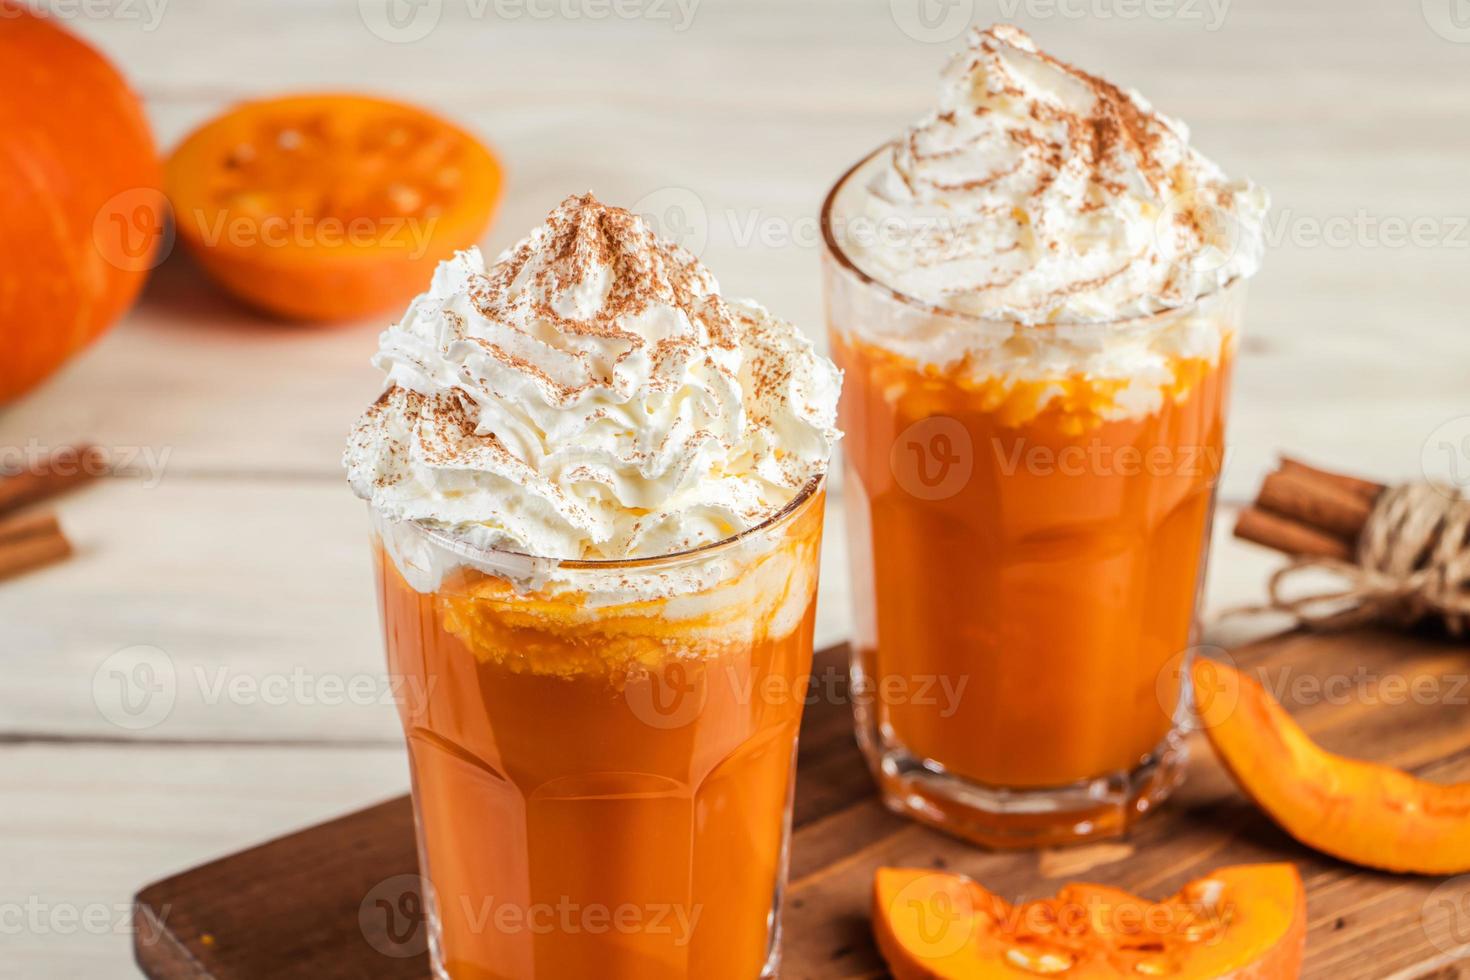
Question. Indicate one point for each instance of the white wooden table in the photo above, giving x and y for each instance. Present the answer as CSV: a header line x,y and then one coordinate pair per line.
x,y
241,560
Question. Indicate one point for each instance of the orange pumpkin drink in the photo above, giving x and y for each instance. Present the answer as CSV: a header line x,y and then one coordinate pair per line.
x,y
1035,296
597,489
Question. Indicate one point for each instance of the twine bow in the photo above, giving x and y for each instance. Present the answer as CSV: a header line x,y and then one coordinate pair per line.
x,y
1413,561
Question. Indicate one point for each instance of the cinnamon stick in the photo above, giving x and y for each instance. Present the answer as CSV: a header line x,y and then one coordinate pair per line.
x,y
32,551
64,470
1289,536
1348,484
28,526
1323,505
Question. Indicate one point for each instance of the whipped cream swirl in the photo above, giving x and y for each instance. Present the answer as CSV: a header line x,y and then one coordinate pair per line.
x,y
591,396
1040,193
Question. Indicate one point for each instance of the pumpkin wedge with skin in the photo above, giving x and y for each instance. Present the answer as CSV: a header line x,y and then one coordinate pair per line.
x,y
1369,814
1246,922
329,207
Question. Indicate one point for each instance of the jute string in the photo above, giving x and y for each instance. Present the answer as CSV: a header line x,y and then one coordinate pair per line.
x,y
1413,562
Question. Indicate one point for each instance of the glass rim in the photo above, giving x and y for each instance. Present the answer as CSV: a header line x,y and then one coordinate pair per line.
x,y
496,556
833,248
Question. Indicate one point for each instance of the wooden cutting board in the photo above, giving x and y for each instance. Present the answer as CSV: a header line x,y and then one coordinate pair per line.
x,y
315,904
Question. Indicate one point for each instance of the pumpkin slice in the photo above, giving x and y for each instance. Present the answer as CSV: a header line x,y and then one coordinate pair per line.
x,y
329,207
1369,814
1247,921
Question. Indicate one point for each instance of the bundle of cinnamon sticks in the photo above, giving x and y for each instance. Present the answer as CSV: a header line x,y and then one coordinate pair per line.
x,y
1308,512
30,539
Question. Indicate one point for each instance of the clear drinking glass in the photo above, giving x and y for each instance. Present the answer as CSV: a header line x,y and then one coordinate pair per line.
x,y
603,760
1028,543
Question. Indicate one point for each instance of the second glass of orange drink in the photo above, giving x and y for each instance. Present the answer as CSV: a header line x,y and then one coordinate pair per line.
x,y
597,491
1035,295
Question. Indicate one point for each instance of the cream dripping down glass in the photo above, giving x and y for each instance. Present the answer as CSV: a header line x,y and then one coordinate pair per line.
x,y
597,487
1035,295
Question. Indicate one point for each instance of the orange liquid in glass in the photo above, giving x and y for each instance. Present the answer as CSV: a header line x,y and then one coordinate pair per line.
x,y
597,795
1030,551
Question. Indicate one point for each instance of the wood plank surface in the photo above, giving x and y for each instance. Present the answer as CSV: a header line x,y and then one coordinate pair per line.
x,y
327,903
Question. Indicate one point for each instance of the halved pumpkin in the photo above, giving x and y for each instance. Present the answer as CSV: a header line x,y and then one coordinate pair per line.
x,y
329,207
1247,921
1363,812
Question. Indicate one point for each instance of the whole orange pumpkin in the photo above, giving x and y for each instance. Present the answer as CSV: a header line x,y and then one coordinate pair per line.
x,y
81,209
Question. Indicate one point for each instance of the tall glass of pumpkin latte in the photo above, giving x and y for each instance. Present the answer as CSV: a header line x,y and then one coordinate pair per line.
x,y
1035,294
597,491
